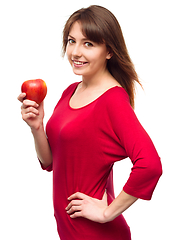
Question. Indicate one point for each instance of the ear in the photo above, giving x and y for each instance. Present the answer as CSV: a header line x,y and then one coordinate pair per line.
x,y
109,55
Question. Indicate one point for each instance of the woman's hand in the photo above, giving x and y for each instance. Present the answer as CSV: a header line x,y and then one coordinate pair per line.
x,y
82,205
96,210
32,113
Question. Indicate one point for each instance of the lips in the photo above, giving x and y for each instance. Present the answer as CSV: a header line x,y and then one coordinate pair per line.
x,y
78,63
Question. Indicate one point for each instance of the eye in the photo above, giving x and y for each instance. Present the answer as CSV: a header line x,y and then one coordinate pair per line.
x,y
88,44
71,41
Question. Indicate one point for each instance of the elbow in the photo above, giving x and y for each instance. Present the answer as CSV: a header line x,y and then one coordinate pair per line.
x,y
48,166
155,169
158,168
144,178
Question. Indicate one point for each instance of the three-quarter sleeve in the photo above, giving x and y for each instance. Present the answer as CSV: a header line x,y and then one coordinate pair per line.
x,y
137,144
48,168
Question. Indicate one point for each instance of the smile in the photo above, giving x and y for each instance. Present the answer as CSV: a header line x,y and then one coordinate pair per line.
x,y
78,63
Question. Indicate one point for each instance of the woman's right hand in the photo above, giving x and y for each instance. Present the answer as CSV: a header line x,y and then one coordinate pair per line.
x,y
32,113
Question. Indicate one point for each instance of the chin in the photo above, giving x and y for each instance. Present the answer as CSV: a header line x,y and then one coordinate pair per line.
x,y
78,72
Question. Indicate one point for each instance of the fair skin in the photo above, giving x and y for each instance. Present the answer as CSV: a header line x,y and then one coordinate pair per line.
x,y
33,115
89,60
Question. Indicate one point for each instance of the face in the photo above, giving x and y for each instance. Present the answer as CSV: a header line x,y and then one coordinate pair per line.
x,y
86,58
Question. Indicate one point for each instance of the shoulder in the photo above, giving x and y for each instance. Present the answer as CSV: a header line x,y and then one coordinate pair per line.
x,y
115,104
70,89
116,97
117,110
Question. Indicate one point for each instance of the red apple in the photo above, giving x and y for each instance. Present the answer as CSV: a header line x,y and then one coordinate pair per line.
x,y
35,90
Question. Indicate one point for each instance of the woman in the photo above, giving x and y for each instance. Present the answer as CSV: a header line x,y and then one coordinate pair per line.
x,y
93,126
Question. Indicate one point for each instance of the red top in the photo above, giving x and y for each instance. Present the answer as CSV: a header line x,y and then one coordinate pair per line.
x,y
85,143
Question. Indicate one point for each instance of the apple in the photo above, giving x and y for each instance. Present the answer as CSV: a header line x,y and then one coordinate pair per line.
x,y
35,90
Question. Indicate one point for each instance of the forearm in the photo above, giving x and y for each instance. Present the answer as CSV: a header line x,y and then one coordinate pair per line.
x,y
118,206
42,146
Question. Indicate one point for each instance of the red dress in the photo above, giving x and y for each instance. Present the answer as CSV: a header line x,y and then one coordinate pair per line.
x,y
85,144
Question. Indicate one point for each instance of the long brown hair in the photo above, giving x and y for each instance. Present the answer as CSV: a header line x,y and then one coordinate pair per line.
x,y
101,26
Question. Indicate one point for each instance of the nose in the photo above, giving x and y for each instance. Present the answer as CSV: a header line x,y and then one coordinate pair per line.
x,y
76,51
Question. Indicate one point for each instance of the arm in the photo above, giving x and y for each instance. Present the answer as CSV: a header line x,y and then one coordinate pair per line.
x,y
42,147
33,115
138,146
96,210
118,206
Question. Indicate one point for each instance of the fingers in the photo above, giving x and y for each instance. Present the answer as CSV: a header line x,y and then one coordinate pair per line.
x,y
76,214
21,97
28,108
28,103
77,195
73,203
74,208
32,113
82,205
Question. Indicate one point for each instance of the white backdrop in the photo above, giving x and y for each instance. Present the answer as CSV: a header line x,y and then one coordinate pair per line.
x,y
30,47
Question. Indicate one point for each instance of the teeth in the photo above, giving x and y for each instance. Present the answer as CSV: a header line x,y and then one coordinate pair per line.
x,y
78,63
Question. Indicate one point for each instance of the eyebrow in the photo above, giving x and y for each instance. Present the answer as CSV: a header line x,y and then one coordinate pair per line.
x,y
83,39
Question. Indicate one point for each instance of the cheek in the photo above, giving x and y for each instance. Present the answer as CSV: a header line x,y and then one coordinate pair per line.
x,y
91,56
98,59
98,55
68,52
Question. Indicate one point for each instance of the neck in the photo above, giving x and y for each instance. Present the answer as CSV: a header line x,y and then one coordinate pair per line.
x,y
96,80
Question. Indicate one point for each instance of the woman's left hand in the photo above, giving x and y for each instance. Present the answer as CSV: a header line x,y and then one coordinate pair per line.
x,y
82,205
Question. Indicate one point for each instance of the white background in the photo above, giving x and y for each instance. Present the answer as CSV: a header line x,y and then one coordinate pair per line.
x,y
30,47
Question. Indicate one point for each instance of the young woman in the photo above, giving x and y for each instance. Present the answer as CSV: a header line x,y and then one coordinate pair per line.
x,y
93,126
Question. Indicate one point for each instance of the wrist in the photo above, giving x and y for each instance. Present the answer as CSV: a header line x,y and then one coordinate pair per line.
x,y
37,129
107,215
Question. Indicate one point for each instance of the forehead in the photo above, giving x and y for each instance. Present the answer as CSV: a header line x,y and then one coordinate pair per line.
x,y
86,31
76,31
